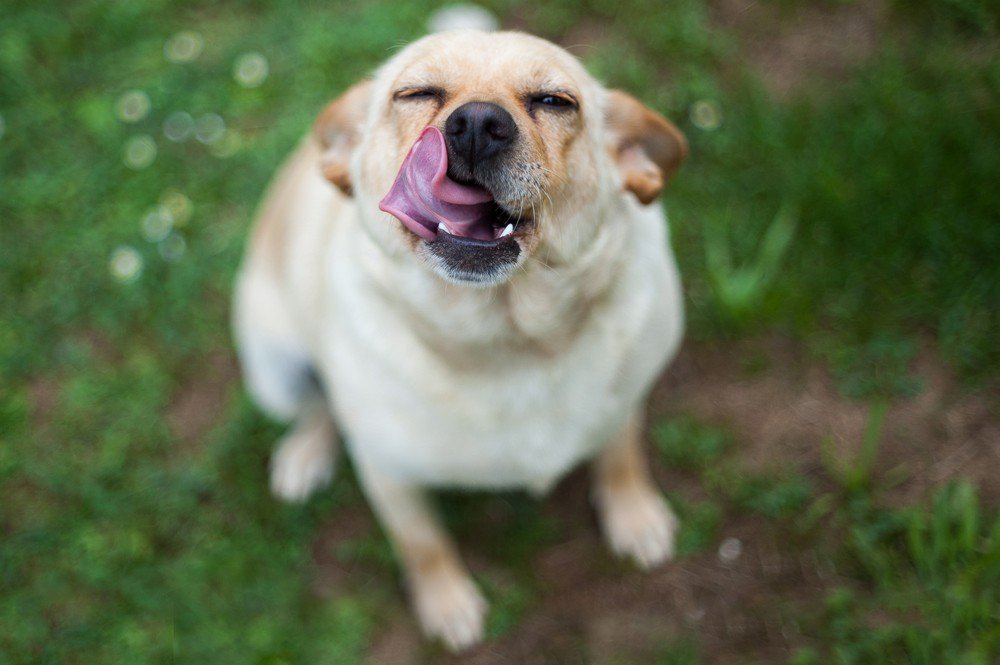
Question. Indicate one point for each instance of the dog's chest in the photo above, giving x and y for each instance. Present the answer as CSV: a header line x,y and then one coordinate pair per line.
x,y
524,428
502,418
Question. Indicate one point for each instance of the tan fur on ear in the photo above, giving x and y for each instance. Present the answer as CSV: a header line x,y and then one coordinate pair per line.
x,y
338,130
647,146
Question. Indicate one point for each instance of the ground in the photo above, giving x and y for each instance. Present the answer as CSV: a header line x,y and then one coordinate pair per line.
x,y
588,608
829,433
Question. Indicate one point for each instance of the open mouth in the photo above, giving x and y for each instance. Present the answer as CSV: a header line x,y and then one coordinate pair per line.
x,y
437,208
495,225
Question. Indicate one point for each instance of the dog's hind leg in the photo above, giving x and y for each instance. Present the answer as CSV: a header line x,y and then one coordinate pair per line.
x,y
277,370
304,459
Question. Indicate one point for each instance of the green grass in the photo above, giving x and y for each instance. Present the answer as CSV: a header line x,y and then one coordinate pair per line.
x,y
888,184
924,579
929,577
121,541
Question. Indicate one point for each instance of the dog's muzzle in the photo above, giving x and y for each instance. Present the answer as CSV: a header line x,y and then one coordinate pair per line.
x,y
467,235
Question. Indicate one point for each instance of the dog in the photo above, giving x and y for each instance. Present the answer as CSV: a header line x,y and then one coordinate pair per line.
x,y
464,269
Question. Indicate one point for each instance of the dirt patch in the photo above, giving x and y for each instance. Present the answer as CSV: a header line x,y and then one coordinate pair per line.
x,y
806,44
199,402
43,394
783,416
44,390
100,347
333,572
399,642
593,609
587,607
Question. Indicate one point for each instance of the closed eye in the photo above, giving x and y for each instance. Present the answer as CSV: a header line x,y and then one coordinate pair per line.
x,y
419,94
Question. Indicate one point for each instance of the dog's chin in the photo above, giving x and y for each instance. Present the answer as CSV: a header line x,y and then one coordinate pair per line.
x,y
475,262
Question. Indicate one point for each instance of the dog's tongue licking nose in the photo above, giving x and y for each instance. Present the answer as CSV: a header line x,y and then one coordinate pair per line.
x,y
423,195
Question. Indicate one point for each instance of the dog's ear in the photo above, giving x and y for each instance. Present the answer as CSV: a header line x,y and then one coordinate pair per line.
x,y
647,147
338,130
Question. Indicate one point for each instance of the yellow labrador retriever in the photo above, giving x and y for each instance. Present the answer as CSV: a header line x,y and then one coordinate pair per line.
x,y
465,268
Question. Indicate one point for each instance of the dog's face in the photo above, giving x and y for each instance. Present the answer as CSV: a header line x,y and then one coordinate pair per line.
x,y
524,132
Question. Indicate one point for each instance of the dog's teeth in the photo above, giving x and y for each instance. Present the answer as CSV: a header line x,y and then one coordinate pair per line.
x,y
443,227
507,230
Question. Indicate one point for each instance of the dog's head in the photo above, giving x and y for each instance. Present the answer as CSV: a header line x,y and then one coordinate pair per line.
x,y
485,146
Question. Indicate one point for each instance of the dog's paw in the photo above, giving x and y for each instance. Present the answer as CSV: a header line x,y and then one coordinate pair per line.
x,y
638,524
449,607
302,464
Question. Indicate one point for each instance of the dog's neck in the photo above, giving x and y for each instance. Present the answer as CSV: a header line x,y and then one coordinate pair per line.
x,y
542,307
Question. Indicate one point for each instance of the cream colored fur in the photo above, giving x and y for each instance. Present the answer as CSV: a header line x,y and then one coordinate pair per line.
x,y
438,384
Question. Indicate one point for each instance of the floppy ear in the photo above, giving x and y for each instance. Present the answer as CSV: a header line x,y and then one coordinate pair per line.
x,y
647,147
338,130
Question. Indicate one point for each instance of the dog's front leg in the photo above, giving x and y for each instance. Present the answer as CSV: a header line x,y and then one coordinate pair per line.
x,y
442,593
635,518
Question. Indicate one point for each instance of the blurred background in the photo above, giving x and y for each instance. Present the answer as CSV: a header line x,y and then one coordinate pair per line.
x,y
829,434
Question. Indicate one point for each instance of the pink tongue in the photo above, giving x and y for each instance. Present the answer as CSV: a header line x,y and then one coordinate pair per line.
x,y
423,195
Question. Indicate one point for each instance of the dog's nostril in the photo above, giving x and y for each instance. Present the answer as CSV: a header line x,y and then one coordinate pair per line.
x,y
479,130
497,130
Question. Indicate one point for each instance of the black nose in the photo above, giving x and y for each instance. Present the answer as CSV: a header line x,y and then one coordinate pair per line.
x,y
477,131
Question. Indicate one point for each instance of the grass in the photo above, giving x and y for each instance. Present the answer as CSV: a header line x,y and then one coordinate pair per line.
x,y
923,579
928,585
125,540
